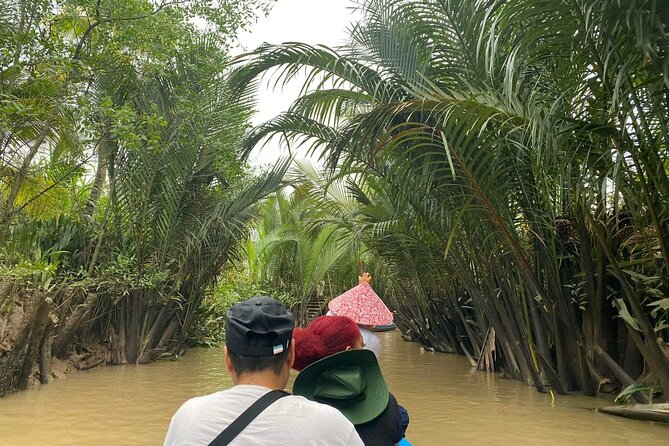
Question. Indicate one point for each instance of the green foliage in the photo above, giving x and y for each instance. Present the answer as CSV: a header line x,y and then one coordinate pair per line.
x,y
500,154
39,273
300,246
231,287
120,179
628,392
70,71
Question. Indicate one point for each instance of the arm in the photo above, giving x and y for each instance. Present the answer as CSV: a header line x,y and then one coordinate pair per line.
x,y
178,432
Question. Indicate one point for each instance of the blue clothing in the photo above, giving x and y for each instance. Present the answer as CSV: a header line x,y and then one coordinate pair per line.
x,y
404,419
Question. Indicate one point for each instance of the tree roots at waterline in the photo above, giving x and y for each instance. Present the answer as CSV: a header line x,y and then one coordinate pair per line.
x,y
569,362
43,334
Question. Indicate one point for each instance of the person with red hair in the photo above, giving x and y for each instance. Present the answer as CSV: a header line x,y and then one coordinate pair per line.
x,y
330,357
325,336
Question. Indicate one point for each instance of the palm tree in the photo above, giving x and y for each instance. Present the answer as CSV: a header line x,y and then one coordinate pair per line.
x,y
177,206
299,248
513,140
173,214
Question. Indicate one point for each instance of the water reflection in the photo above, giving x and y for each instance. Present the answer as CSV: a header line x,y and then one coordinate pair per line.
x,y
449,404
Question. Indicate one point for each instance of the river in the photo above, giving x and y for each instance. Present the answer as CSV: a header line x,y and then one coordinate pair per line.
x,y
449,404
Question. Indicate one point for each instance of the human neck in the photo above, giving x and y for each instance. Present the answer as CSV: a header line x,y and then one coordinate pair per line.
x,y
267,379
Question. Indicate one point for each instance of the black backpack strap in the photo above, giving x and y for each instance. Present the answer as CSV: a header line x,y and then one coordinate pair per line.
x,y
230,432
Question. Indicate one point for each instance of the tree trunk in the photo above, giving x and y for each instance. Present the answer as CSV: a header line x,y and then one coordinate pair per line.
x,y
72,322
646,339
100,176
645,412
17,364
22,173
618,371
45,354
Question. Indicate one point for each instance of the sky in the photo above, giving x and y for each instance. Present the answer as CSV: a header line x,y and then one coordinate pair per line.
x,y
308,21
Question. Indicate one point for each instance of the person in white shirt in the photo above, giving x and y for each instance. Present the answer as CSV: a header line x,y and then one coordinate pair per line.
x,y
258,355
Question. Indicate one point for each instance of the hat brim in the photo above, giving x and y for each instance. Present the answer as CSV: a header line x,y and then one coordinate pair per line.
x,y
376,396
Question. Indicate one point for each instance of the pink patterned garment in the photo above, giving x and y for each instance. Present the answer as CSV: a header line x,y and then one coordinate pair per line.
x,y
362,305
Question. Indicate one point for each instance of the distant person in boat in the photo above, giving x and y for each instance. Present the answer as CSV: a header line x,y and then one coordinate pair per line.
x,y
365,308
335,370
362,305
256,411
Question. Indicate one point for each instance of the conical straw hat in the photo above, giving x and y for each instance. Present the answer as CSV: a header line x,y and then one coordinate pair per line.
x,y
362,305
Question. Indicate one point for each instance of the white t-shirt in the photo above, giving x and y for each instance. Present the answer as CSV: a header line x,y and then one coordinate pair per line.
x,y
292,420
372,341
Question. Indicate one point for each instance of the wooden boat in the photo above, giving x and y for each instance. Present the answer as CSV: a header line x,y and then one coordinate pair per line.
x,y
387,327
646,412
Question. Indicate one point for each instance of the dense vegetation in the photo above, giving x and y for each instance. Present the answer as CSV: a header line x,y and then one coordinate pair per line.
x,y
502,168
121,191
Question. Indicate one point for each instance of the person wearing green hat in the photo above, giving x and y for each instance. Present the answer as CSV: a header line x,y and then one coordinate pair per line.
x,y
336,370
351,381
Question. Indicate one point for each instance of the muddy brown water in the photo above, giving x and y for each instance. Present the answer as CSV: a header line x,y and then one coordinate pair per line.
x,y
449,404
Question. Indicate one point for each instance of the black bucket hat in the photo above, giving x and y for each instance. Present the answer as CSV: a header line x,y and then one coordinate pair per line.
x,y
259,326
350,381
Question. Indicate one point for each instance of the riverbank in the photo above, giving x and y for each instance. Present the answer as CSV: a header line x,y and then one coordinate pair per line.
x,y
88,357
449,404
38,338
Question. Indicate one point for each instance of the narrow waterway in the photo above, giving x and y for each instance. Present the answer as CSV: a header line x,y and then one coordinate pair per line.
x,y
448,403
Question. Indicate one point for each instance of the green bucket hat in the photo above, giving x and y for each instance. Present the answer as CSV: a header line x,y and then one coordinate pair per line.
x,y
350,381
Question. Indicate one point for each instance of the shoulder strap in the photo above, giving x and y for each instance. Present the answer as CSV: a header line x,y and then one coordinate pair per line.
x,y
234,429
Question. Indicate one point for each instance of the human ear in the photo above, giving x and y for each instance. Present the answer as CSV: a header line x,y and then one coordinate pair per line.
x,y
228,363
291,354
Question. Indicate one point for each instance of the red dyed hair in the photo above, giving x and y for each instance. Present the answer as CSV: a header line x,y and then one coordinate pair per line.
x,y
325,336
